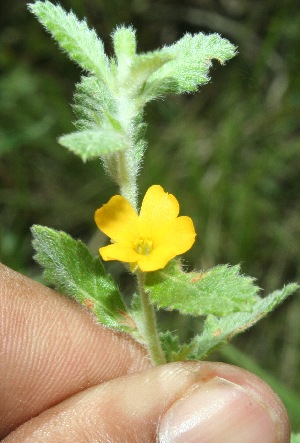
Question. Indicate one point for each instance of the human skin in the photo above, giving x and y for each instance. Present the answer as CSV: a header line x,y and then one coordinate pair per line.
x,y
65,378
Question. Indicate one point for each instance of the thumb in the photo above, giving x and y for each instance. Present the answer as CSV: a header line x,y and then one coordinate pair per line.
x,y
178,402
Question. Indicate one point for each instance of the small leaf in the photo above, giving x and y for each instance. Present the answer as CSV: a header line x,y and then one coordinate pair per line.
x,y
70,267
170,344
91,143
93,100
219,291
134,69
124,41
192,58
143,66
74,36
219,331
158,87
172,348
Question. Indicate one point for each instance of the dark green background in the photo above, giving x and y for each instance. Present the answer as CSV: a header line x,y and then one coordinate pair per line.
x,y
230,153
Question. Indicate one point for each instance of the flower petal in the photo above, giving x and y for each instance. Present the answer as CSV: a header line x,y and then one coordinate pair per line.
x,y
119,251
158,259
177,236
158,208
118,220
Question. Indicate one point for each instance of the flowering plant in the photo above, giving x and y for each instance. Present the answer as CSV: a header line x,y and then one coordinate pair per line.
x,y
109,104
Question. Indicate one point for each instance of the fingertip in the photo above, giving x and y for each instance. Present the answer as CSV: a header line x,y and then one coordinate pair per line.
x,y
220,410
178,402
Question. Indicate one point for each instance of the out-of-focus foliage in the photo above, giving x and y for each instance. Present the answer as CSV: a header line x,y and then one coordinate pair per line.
x,y
231,153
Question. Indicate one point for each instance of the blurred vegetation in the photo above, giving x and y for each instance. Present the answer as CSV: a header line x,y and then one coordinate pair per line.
x,y
229,153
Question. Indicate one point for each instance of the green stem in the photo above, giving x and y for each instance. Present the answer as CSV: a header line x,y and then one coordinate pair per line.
x,y
150,332
127,162
127,179
124,165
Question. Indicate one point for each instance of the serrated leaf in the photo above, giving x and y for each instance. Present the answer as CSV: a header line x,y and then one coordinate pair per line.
x,y
91,143
158,87
170,344
192,59
219,331
219,291
93,102
143,66
172,348
69,266
134,69
74,36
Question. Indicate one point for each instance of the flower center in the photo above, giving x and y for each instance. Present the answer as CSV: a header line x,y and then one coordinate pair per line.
x,y
143,246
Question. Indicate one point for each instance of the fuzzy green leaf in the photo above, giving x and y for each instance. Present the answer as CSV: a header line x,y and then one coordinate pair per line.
x,y
143,66
92,143
170,344
219,291
124,41
172,348
295,438
134,69
93,102
219,331
69,266
192,57
74,36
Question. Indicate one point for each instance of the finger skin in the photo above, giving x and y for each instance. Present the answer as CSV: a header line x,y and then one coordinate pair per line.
x,y
129,409
52,348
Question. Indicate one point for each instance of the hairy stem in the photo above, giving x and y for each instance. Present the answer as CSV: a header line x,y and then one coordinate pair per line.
x,y
127,162
150,332
127,179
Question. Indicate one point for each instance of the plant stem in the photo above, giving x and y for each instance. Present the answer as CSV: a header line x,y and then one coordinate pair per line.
x,y
127,161
127,179
150,332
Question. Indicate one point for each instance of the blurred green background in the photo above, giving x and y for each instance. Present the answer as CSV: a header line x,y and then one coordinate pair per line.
x,y
230,153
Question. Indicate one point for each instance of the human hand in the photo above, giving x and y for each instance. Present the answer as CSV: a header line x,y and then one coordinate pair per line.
x,y
65,378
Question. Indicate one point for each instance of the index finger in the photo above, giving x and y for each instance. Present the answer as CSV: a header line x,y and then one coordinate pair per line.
x,y
51,348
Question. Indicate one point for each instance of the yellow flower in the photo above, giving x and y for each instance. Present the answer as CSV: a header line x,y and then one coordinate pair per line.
x,y
147,241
